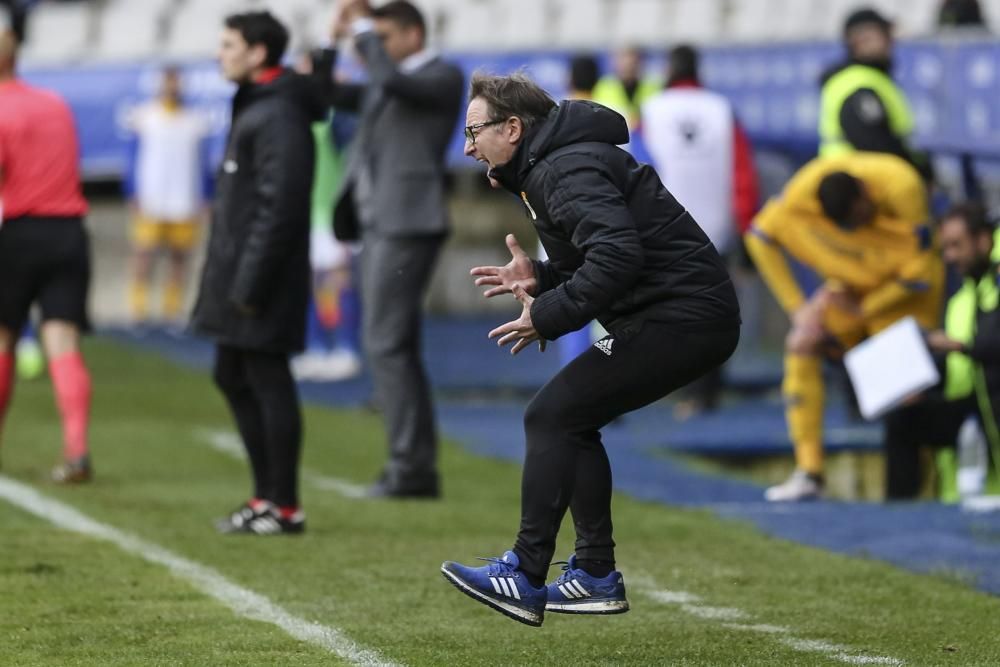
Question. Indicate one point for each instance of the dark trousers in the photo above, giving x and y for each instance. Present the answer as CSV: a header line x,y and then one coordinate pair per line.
x,y
265,404
395,273
933,422
565,463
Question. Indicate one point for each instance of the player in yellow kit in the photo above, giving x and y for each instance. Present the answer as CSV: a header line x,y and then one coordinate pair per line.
x,y
861,223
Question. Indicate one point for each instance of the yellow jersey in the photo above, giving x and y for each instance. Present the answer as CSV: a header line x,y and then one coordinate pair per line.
x,y
881,263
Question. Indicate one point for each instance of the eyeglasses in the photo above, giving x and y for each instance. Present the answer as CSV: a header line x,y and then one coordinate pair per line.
x,y
471,130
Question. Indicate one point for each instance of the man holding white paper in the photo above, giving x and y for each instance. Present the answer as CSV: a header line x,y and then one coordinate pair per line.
x,y
968,350
971,337
860,222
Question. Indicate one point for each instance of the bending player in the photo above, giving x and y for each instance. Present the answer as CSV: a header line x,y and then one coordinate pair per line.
x,y
861,223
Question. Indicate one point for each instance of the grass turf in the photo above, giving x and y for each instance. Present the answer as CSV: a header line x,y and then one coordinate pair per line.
x,y
370,568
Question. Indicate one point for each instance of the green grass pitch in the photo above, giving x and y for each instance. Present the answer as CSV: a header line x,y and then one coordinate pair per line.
x,y
704,591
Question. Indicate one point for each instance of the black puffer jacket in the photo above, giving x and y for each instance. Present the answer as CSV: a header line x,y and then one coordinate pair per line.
x,y
621,249
256,279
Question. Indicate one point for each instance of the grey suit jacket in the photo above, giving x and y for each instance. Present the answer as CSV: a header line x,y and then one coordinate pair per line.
x,y
406,122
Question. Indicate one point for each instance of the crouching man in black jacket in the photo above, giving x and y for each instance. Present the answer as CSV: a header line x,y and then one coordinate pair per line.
x,y
255,284
623,251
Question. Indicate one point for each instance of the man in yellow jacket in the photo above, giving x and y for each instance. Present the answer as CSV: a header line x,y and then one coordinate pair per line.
x,y
861,107
861,223
626,89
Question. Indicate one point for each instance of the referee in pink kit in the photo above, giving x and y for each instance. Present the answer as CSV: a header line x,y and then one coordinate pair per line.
x,y
44,251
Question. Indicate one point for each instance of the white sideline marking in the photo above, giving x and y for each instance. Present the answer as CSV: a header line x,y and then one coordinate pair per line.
x,y
758,627
229,443
242,601
671,597
691,604
714,613
812,645
867,660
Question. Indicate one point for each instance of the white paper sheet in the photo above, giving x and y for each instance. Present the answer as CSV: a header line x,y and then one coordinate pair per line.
x,y
889,367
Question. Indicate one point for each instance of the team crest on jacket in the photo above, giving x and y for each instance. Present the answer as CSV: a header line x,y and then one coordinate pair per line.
x,y
524,198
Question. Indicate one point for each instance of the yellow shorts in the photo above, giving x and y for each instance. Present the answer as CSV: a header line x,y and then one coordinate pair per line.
x,y
150,234
849,329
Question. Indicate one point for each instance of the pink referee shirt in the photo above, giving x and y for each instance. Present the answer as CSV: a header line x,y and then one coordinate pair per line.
x,y
39,154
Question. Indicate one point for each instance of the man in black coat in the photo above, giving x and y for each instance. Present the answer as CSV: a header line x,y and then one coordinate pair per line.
x,y
623,251
255,284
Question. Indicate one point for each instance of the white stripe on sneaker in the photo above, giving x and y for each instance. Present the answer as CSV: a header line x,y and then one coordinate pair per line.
x,y
513,589
265,525
567,592
583,591
505,586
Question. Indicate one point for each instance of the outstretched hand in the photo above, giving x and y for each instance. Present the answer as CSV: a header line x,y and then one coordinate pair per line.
x,y
521,331
519,270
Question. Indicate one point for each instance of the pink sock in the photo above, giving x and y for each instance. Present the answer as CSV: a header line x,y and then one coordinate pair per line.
x,y
71,382
6,383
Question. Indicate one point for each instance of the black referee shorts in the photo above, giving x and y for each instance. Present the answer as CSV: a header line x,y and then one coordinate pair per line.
x,y
44,261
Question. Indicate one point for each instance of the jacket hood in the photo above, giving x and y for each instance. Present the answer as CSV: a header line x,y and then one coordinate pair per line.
x,y
300,89
572,122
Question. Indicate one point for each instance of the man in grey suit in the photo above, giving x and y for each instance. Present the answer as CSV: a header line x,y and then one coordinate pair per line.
x,y
392,198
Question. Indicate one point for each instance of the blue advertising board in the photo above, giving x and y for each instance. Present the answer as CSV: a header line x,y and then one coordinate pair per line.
x,y
953,88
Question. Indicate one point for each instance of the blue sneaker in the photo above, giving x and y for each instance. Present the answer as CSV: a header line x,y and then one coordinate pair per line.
x,y
576,592
500,585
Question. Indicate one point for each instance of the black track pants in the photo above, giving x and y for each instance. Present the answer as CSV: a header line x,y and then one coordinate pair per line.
x,y
565,463
265,404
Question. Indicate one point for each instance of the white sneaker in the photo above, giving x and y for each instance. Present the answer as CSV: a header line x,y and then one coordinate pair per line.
x,y
800,486
338,365
308,366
